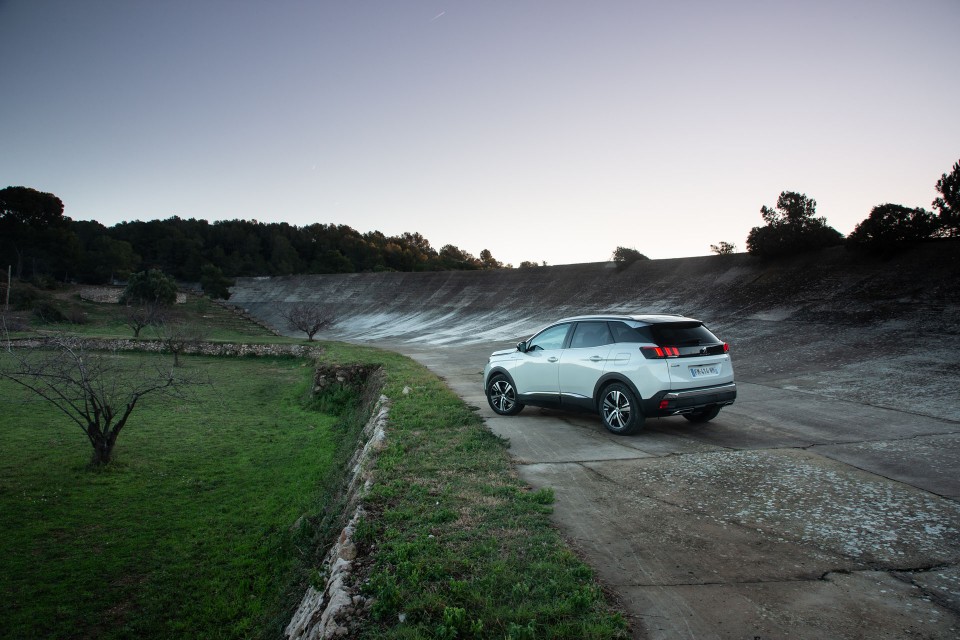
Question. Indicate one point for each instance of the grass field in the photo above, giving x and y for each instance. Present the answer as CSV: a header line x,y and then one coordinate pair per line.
x,y
455,545
190,532
187,533
106,320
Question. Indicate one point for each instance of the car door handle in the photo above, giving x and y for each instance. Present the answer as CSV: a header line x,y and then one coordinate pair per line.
x,y
595,358
552,359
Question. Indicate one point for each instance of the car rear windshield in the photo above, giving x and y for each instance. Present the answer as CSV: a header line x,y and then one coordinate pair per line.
x,y
681,334
622,332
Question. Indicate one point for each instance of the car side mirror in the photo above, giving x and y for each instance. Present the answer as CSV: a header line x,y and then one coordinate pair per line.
x,y
522,346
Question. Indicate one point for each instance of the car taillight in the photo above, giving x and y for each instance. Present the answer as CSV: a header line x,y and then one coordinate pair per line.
x,y
659,353
662,353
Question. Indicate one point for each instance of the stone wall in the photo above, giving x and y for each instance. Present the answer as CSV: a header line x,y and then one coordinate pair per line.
x,y
202,348
326,612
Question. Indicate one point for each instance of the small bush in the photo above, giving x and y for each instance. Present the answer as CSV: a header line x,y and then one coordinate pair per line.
x,y
335,399
625,256
724,248
47,311
47,283
76,315
14,323
23,297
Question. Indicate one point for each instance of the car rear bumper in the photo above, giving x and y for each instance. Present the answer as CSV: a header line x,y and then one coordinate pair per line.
x,y
669,403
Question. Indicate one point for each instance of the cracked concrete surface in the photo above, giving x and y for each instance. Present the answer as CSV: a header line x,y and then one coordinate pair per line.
x,y
824,503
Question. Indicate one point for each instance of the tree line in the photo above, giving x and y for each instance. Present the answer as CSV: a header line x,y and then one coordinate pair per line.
x,y
38,240
792,226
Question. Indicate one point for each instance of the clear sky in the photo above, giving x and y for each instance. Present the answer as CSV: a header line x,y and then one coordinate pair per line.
x,y
541,130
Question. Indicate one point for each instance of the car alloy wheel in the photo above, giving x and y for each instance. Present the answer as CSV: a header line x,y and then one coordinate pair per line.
x,y
502,397
620,411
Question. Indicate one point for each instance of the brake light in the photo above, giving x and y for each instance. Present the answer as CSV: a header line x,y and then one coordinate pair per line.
x,y
726,347
659,353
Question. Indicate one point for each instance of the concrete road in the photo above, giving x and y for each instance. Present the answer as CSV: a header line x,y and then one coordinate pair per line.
x,y
792,514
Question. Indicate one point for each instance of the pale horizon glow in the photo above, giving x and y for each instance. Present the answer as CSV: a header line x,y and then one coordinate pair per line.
x,y
541,130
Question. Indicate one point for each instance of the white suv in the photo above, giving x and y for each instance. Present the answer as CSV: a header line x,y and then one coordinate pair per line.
x,y
625,368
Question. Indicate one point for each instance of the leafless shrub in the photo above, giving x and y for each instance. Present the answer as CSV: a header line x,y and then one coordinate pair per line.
x,y
179,335
724,248
76,315
97,391
140,316
14,322
308,317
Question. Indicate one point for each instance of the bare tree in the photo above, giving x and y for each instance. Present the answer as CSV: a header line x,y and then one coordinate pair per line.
x,y
309,317
141,315
98,391
178,335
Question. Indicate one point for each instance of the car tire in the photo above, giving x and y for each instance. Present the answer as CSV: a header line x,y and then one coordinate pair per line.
x,y
702,415
620,410
502,396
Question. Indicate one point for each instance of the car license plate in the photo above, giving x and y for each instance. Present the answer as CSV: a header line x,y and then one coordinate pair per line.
x,y
704,372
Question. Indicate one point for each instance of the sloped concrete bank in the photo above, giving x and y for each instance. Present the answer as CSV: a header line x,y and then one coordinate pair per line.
x,y
883,331
834,286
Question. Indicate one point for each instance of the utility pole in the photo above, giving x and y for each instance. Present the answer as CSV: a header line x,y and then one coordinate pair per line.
x,y
6,306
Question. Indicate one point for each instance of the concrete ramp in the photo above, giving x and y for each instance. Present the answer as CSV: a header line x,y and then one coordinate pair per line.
x,y
829,287
885,331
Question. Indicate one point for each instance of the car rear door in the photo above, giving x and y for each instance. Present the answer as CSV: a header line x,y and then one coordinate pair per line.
x,y
584,360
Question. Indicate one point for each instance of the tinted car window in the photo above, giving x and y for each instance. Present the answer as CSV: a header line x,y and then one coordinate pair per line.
x,y
622,332
551,338
590,334
681,334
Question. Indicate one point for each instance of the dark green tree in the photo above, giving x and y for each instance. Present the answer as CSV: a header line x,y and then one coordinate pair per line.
x,y
413,253
891,226
150,287
453,258
948,203
26,206
625,256
103,258
33,232
89,252
792,227
214,283
488,261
